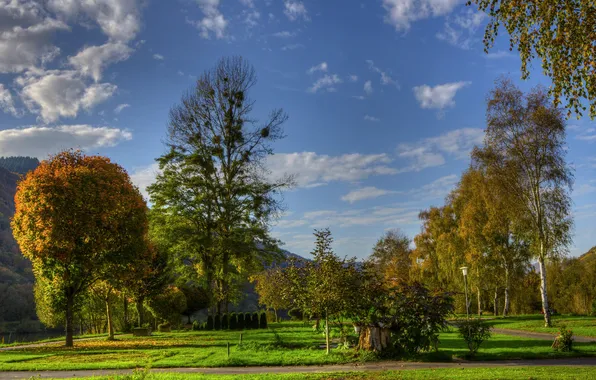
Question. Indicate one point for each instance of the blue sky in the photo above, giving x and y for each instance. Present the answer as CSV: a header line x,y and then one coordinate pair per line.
x,y
386,98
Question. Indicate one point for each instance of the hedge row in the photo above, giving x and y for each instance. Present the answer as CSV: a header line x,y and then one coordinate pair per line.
x,y
233,321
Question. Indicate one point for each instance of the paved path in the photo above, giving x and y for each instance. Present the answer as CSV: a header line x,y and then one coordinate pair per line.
x,y
381,366
537,335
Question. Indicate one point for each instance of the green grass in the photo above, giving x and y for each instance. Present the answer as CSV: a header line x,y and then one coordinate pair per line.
x,y
581,325
451,373
50,340
284,344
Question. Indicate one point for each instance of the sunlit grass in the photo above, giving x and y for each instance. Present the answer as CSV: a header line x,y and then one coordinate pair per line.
x,y
581,325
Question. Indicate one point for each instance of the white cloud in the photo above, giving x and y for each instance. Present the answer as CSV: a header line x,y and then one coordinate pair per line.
x,y
369,192
93,60
320,67
118,19
399,216
144,176
430,152
25,37
213,20
386,79
248,3
295,10
55,94
251,18
121,107
284,34
327,82
460,31
359,97
292,47
589,134
438,97
499,54
40,141
584,189
7,102
401,13
312,169
437,189
158,57
290,223
371,118
368,88
353,78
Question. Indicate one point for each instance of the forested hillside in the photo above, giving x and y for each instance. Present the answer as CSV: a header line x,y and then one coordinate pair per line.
x,y
16,278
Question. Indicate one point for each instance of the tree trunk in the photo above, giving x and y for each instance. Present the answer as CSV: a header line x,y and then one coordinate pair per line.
x,y
479,302
543,294
327,332
275,311
110,319
140,312
506,301
69,320
373,338
125,308
496,301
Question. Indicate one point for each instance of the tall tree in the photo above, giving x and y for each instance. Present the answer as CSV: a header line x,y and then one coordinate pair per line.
x,y
560,33
392,257
213,192
76,216
524,151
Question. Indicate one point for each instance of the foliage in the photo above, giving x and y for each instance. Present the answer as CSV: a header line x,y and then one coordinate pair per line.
x,y
240,321
212,200
197,298
255,320
474,332
168,305
217,322
77,219
560,34
267,285
564,341
524,154
210,325
164,327
418,316
392,256
263,321
233,321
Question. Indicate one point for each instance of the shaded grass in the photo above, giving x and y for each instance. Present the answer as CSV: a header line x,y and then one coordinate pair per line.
x,y
286,344
51,340
451,373
581,325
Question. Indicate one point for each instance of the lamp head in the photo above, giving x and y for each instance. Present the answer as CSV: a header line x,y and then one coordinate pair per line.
x,y
464,270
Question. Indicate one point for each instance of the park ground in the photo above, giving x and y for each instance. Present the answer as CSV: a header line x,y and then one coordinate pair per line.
x,y
296,344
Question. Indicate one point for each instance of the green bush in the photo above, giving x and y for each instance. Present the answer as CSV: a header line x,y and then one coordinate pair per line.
x,y
296,314
196,325
563,342
474,332
164,327
255,320
217,322
209,325
248,321
240,323
263,321
233,321
225,322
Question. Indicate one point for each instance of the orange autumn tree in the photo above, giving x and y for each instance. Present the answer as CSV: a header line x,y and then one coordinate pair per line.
x,y
79,219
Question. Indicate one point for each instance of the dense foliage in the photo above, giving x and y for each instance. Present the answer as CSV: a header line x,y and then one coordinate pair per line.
x,y
474,332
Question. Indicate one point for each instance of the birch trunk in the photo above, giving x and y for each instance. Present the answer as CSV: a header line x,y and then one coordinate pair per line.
x,y
110,319
506,301
496,302
479,302
544,296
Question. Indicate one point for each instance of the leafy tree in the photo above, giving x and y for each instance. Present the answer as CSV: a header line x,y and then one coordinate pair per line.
x,y
560,33
168,305
196,299
76,216
392,256
267,285
213,196
524,152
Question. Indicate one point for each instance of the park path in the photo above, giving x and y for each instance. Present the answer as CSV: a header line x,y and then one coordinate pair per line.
x,y
380,366
537,335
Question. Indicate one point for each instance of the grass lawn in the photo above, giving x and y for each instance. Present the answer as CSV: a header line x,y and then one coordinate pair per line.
x,y
282,344
581,325
459,373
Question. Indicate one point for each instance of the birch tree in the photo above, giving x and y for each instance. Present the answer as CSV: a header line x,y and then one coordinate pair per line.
x,y
524,151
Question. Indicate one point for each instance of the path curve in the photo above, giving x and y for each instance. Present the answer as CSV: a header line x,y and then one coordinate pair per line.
x,y
379,366
537,335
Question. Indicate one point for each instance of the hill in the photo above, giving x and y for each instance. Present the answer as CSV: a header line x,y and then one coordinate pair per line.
x,y
589,256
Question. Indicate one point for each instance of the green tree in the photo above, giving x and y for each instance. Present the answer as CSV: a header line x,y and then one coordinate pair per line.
x,y
560,33
77,216
524,152
392,256
267,285
213,196
168,305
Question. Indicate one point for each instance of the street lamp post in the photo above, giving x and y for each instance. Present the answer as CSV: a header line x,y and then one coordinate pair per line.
x,y
465,272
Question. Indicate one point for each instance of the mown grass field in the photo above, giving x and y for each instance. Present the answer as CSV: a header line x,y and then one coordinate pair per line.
x,y
581,325
525,373
284,344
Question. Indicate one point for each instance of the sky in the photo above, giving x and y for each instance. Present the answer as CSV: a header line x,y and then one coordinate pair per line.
x,y
385,98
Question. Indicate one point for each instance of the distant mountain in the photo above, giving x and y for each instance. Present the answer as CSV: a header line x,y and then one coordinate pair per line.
x,y
589,256
19,164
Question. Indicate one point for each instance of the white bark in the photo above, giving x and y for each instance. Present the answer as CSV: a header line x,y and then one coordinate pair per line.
x,y
543,294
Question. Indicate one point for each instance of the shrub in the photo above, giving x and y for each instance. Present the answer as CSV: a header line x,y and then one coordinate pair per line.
x,y
563,342
225,322
296,314
240,322
255,320
164,327
474,332
248,321
233,321
196,325
263,322
209,325
217,322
